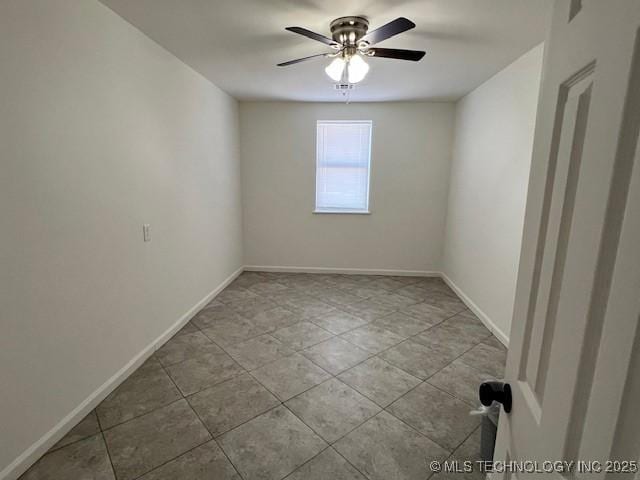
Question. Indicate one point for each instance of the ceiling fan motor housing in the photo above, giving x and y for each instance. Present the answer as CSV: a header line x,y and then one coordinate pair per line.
x,y
349,30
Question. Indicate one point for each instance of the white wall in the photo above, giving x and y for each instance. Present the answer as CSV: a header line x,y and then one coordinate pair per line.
x,y
489,177
101,130
410,158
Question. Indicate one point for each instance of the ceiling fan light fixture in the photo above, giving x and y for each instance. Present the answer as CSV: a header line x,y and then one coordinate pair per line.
x,y
335,69
352,41
357,69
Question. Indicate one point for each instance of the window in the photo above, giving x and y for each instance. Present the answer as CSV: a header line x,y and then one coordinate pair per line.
x,y
343,153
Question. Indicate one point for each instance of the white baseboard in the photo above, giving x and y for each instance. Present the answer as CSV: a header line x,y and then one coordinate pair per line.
x,y
484,318
164,338
49,439
346,271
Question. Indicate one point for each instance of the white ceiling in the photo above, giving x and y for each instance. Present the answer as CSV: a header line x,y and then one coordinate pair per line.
x,y
237,43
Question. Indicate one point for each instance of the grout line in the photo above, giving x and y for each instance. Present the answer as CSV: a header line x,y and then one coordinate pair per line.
x,y
172,459
465,439
349,462
95,410
248,372
369,356
449,452
348,432
214,439
106,447
55,449
310,388
305,424
197,416
280,404
329,444
308,461
143,414
442,390
445,391
306,390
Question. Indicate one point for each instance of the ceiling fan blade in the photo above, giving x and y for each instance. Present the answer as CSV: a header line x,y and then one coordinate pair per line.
x,y
392,28
303,59
397,53
311,35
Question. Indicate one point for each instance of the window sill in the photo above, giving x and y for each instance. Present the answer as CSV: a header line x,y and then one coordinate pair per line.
x,y
341,212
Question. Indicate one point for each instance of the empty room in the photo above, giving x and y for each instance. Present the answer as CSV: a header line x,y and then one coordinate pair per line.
x,y
319,240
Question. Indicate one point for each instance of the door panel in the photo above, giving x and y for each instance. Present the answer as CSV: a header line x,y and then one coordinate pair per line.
x,y
564,169
577,308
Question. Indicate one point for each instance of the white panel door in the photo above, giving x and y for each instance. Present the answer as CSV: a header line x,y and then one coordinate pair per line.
x,y
573,363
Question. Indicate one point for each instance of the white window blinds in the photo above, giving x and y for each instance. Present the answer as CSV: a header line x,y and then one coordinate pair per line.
x,y
343,153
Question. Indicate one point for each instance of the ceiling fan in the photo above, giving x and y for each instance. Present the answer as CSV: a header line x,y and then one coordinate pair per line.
x,y
351,41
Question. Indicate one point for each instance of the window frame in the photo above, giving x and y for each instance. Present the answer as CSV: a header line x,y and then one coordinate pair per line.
x,y
348,211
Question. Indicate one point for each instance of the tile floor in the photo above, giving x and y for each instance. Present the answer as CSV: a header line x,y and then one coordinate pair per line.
x,y
299,376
